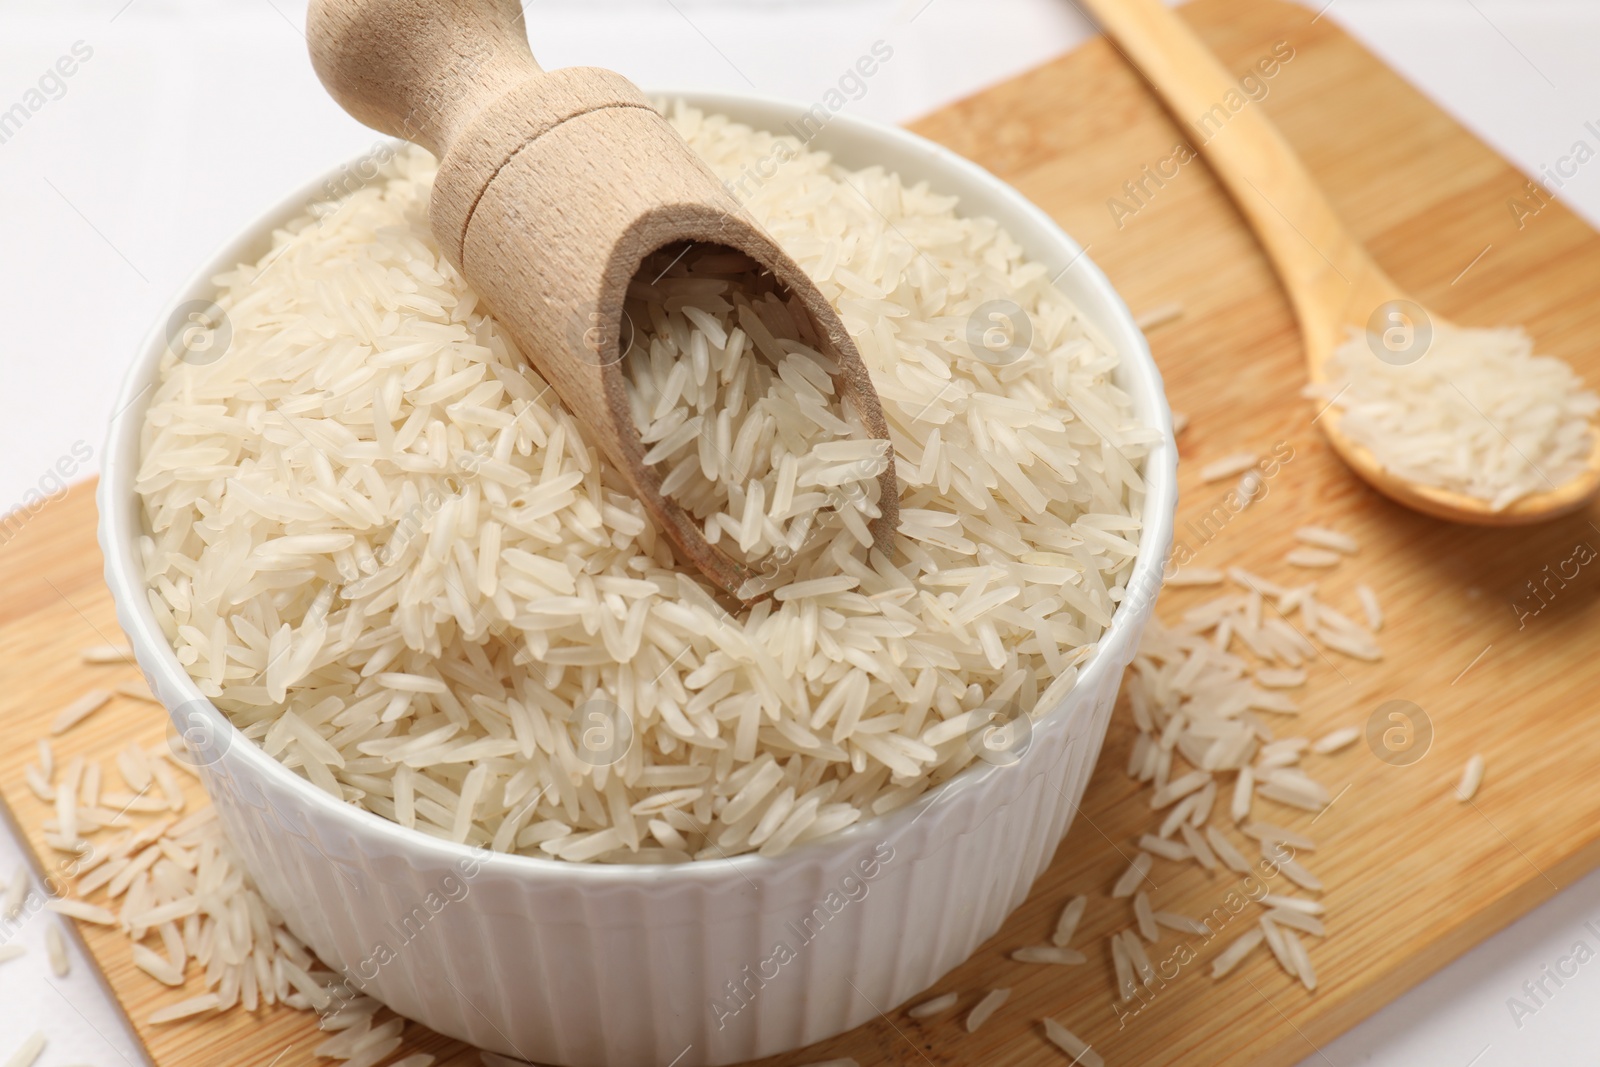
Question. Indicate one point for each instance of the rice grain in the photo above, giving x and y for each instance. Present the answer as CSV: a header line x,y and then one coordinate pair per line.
x,y
1070,1043
1227,467
1067,923
1322,537
937,1005
56,947
16,893
28,1051
456,577
1145,916
1236,951
1471,779
1313,557
1138,868
986,1007
1067,957
1336,741
79,709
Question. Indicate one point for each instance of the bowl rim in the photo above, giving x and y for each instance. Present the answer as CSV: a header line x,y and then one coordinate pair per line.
x,y
120,524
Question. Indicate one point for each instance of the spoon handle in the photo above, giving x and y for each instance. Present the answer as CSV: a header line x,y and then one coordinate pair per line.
x,y
1320,262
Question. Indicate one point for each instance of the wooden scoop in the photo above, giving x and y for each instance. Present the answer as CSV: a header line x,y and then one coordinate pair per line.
x,y
552,189
1331,279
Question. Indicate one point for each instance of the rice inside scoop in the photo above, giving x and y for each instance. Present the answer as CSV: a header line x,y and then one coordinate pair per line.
x,y
739,409
383,548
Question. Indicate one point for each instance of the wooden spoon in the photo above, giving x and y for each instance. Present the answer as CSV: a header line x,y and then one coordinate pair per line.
x,y
553,187
1332,281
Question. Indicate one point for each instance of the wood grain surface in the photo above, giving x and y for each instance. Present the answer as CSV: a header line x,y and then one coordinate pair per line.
x,y
1413,877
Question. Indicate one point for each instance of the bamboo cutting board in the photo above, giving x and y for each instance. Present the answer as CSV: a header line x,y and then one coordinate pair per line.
x,y
1496,669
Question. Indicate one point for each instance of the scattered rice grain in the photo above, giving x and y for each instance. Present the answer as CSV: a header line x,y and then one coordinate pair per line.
x,y
943,1002
1471,778
1082,1053
986,1007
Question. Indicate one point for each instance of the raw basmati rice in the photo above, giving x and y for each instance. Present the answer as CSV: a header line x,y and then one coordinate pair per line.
x,y
1138,957
1271,834
157,966
411,557
1082,1054
1167,850
1301,958
1300,904
1236,951
179,884
735,407
1198,847
1159,315
1138,868
79,709
986,1007
108,654
1227,852
1122,967
1194,576
1471,778
1313,557
1068,957
1477,413
1067,924
1184,924
16,893
1288,786
1370,607
1227,466
938,1004
28,1052
77,909
1198,706
1354,647
1298,919
1336,741
56,947
1279,945
1244,792
183,1009
1294,871
1145,916
1179,788
1322,537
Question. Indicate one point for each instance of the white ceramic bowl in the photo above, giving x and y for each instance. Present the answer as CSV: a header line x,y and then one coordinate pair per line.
x,y
617,966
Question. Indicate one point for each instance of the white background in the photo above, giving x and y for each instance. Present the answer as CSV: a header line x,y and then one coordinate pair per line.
x,y
192,115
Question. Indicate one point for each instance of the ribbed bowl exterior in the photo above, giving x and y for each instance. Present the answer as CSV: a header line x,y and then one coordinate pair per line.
x,y
656,970
702,964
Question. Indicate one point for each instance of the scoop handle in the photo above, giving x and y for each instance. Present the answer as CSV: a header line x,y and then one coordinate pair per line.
x,y
419,69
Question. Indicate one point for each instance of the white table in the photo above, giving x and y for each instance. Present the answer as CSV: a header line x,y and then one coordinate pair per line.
x,y
183,118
